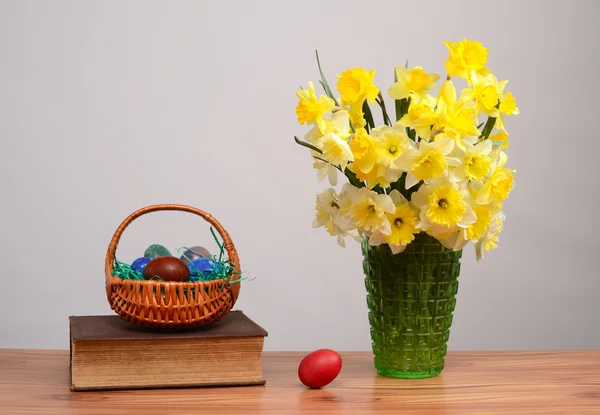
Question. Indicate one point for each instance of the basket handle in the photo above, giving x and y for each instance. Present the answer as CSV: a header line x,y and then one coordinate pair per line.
x,y
112,247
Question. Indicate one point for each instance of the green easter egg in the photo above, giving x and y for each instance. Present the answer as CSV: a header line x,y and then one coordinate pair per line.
x,y
155,251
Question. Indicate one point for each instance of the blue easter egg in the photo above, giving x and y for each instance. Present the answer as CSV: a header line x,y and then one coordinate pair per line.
x,y
202,267
140,264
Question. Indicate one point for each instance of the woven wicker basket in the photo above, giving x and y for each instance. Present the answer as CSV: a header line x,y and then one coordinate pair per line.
x,y
162,304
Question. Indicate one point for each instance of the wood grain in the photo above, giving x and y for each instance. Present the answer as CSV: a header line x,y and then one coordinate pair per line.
x,y
34,381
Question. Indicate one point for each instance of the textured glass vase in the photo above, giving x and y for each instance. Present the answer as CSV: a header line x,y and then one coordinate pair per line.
x,y
411,297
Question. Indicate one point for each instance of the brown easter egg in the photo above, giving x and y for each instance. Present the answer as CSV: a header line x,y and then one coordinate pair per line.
x,y
167,268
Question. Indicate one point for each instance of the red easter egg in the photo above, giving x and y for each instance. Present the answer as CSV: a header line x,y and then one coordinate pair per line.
x,y
319,368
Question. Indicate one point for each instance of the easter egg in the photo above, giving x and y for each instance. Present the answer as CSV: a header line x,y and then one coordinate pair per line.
x,y
195,252
140,264
167,268
202,267
155,251
319,368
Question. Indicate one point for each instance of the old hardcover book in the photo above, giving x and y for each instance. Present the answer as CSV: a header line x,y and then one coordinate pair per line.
x,y
109,353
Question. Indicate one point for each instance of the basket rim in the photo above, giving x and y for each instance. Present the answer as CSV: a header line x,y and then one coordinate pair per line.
x,y
115,279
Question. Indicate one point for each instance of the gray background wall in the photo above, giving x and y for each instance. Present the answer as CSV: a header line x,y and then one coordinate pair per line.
x,y
109,106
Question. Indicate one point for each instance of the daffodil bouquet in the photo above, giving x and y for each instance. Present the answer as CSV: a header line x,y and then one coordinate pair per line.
x,y
438,167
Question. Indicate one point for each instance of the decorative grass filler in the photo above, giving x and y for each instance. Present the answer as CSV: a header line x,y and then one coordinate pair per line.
x,y
224,267
169,304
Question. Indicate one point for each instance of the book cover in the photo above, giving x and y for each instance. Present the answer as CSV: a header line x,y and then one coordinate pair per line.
x,y
109,353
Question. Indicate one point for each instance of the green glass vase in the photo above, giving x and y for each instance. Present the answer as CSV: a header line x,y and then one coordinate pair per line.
x,y
411,297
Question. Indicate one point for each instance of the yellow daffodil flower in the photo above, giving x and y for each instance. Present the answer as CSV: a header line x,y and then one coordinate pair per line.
x,y
484,213
489,240
455,117
346,199
443,208
403,224
486,91
325,169
311,109
364,151
375,177
338,123
328,215
375,156
391,143
508,106
326,207
412,82
368,212
427,161
476,162
457,239
334,229
484,218
335,150
356,85
499,184
466,56
420,115
454,240
501,137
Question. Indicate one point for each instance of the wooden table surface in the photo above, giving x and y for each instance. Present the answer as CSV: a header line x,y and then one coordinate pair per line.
x,y
36,381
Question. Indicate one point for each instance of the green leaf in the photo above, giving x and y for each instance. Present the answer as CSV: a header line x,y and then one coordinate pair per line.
x,y
353,179
398,109
400,186
397,102
323,85
368,114
305,144
378,189
323,81
401,108
412,134
487,129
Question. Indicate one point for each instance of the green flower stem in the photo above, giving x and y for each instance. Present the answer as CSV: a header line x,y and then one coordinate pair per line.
x,y
320,159
381,103
305,144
